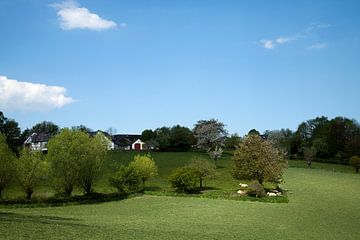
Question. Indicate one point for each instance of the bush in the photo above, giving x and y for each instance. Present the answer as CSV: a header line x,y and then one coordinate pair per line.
x,y
355,162
184,180
145,166
255,189
126,180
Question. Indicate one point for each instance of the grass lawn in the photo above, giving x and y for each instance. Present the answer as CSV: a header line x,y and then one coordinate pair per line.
x,y
324,204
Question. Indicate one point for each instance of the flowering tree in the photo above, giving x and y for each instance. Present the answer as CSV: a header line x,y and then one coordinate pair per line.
x,y
210,136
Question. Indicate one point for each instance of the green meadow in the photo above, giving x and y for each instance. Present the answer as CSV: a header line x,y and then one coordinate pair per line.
x,y
324,203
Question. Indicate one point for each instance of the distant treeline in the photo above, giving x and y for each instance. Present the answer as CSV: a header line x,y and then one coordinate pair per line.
x,y
323,139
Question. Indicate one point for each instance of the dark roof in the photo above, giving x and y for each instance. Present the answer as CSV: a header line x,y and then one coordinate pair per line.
x,y
39,137
124,140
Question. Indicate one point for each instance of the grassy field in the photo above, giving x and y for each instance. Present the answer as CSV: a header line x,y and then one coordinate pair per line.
x,y
324,204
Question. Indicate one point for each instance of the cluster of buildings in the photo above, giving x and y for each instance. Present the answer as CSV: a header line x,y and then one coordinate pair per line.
x,y
39,141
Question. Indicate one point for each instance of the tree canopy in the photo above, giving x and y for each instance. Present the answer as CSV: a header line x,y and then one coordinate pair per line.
x,y
257,159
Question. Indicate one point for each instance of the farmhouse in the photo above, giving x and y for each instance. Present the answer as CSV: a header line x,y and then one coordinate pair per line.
x,y
128,142
37,142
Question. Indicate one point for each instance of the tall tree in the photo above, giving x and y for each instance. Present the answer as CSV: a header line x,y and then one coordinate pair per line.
x,y
10,128
257,159
7,159
210,136
49,128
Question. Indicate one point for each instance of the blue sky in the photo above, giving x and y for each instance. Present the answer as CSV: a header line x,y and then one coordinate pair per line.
x,y
134,65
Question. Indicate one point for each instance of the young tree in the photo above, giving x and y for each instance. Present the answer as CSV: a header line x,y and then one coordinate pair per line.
x,y
91,166
215,153
355,162
203,168
75,158
257,159
7,159
210,136
29,168
309,154
145,166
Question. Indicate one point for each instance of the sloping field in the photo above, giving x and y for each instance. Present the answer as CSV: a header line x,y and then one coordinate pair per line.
x,y
323,205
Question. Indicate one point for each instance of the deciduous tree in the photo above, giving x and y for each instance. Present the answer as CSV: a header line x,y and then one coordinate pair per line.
x,y
257,159
7,159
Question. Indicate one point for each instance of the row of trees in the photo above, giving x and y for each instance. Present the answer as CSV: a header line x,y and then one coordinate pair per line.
x,y
74,159
336,139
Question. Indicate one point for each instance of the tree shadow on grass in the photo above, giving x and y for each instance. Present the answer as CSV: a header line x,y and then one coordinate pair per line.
x,y
41,219
152,188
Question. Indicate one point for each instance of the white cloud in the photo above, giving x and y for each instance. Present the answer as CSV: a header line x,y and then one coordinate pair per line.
x,y
267,44
318,46
25,96
73,16
282,40
273,43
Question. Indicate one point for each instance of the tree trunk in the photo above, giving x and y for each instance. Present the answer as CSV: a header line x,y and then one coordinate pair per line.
x,y
357,170
28,194
68,190
261,181
0,193
200,183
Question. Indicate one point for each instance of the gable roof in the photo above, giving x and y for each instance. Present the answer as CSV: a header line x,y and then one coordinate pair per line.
x,y
123,140
38,137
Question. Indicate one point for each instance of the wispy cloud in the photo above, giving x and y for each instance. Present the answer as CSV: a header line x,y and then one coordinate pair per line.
x,y
25,96
318,46
273,43
72,16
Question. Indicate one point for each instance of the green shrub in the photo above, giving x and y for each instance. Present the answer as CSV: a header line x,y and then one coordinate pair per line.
x,y
184,180
145,166
355,163
126,180
255,189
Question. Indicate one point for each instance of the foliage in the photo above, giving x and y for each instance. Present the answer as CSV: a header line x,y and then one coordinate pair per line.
x,y
257,159
184,180
48,128
7,159
90,167
338,138
355,162
280,139
75,158
126,180
10,129
254,131
30,167
147,135
174,139
255,189
232,142
209,134
81,128
145,166
203,168
181,139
